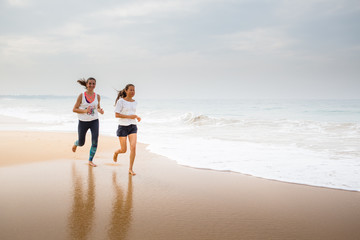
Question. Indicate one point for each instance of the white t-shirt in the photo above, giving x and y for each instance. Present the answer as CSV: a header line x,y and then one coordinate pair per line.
x,y
85,117
126,108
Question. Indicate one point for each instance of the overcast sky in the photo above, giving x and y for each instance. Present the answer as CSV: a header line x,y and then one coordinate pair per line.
x,y
182,48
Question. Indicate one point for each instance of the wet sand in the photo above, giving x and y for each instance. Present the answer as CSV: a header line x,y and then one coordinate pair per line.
x,y
48,192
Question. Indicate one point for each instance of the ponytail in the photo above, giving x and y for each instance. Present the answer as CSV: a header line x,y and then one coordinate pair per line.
x,y
122,93
83,82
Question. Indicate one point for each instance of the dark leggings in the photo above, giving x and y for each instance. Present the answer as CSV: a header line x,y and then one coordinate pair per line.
x,y
83,127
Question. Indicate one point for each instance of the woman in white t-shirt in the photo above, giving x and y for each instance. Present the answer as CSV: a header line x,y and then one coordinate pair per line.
x,y
87,107
125,110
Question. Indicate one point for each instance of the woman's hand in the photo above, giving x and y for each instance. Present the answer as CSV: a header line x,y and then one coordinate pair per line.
x,y
100,110
135,117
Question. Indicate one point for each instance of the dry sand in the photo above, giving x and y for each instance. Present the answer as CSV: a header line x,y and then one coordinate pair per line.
x,y
48,192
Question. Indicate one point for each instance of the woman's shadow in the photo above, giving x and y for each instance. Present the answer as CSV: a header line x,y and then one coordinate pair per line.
x,y
121,215
83,208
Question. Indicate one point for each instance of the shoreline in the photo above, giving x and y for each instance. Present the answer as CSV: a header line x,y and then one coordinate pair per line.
x,y
266,179
111,143
59,196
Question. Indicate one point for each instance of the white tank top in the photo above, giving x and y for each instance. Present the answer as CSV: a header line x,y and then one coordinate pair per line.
x,y
93,106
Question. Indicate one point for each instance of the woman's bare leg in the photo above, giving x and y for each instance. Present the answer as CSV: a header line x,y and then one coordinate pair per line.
x,y
132,140
122,148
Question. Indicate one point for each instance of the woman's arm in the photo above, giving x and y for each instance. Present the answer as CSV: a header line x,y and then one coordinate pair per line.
x,y
119,115
100,110
76,108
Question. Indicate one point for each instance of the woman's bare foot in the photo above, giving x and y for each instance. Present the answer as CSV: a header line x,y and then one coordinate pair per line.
x,y
92,164
74,148
132,172
115,156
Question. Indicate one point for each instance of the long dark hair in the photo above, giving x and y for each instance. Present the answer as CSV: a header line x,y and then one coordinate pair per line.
x,y
122,93
83,82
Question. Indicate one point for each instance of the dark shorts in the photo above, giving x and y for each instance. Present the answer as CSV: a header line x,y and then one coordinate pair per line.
x,y
124,131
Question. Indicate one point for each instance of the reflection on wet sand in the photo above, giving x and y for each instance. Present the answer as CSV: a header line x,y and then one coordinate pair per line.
x,y
121,210
83,208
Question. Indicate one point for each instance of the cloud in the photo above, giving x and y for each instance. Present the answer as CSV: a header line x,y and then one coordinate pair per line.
x,y
142,9
23,45
153,8
305,10
177,42
19,3
261,41
70,29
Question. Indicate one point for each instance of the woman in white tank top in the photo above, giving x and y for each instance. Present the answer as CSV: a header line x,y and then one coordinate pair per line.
x,y
87,107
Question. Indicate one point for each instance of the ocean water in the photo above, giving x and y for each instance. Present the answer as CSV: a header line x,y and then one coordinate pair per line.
x,y
313,142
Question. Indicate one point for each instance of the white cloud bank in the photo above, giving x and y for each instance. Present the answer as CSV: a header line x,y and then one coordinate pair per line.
x,y
202,43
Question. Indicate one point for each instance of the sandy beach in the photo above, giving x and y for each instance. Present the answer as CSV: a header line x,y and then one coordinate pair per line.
x,y
49,192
